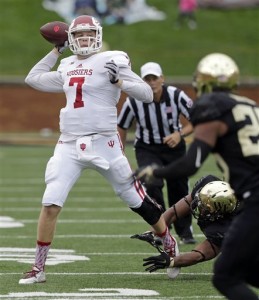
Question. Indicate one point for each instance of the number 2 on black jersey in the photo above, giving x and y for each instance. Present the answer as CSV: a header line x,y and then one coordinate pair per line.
x,y
248,135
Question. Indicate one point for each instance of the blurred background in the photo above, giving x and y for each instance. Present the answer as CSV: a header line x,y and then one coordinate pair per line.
x,y
148,30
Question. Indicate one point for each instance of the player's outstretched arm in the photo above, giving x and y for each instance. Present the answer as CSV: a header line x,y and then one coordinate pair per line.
x,y
202,252
178,211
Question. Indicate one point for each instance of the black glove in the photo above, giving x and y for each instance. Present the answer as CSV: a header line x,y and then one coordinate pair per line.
x,y
113,71
145,174
148,237
161,261
62,48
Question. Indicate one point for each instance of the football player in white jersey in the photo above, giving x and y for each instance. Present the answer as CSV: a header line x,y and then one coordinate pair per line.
x,y
92,83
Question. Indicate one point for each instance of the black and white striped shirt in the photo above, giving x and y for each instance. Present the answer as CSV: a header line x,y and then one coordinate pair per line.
x,y
154,120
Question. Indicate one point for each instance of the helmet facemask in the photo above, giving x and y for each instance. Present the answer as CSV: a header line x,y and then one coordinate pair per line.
x,y
212,202
82,24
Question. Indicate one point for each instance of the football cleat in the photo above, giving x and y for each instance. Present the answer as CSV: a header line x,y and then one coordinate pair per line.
x,y
173,249
173,272
150,238
33,276
154,262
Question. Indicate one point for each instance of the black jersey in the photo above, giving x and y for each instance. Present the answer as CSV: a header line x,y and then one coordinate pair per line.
x,y
237,152
214,231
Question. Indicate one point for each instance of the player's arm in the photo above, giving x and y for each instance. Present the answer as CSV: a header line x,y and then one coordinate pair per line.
x,y
172,214
205,137
135,87
202,252
178,210
121,75
42,78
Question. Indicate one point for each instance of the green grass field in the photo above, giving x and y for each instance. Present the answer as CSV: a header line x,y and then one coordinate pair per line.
x,y
94,255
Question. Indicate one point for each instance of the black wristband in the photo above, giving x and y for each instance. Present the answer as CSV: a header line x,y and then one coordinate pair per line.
x,y
203,256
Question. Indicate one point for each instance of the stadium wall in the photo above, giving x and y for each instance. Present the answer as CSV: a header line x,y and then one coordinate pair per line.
x,y
23,109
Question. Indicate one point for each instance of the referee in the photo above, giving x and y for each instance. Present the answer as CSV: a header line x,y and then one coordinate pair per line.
x,y
159,137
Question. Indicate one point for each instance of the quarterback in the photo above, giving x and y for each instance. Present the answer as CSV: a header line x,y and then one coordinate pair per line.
x,y
92,82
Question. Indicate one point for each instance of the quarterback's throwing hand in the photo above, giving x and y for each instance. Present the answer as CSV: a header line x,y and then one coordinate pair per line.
x,y
113,71
145,174
62,48
161,261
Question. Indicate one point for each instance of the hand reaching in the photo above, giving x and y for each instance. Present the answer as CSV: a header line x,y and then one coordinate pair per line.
x,y
155,263
113,71
145,174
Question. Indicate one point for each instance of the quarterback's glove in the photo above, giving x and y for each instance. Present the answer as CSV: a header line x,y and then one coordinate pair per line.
x,y
145,174
113,71
161,261
149,237
62,48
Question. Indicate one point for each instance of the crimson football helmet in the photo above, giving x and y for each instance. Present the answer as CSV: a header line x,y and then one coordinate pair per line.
x,y
216,71
85,23
213,201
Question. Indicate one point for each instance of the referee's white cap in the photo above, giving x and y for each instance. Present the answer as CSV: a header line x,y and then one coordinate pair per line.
x,y
151,68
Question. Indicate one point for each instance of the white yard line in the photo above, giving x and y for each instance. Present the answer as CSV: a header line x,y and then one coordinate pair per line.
x,y
92,221
103,209
35,200
26,181
31,188
114,273
87,236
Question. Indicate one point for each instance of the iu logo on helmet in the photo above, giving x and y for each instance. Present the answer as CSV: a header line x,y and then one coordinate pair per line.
x,y
83,146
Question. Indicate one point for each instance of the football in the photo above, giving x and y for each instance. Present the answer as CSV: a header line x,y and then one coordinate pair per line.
x,y
55,32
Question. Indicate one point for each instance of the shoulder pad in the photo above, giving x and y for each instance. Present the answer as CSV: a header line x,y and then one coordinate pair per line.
x,y
120,58
65,61
211,107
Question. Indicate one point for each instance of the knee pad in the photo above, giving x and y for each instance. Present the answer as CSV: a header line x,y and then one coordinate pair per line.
x,y
149,210
53,169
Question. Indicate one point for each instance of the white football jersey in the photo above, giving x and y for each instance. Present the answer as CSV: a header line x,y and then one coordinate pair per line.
x,y
91,98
